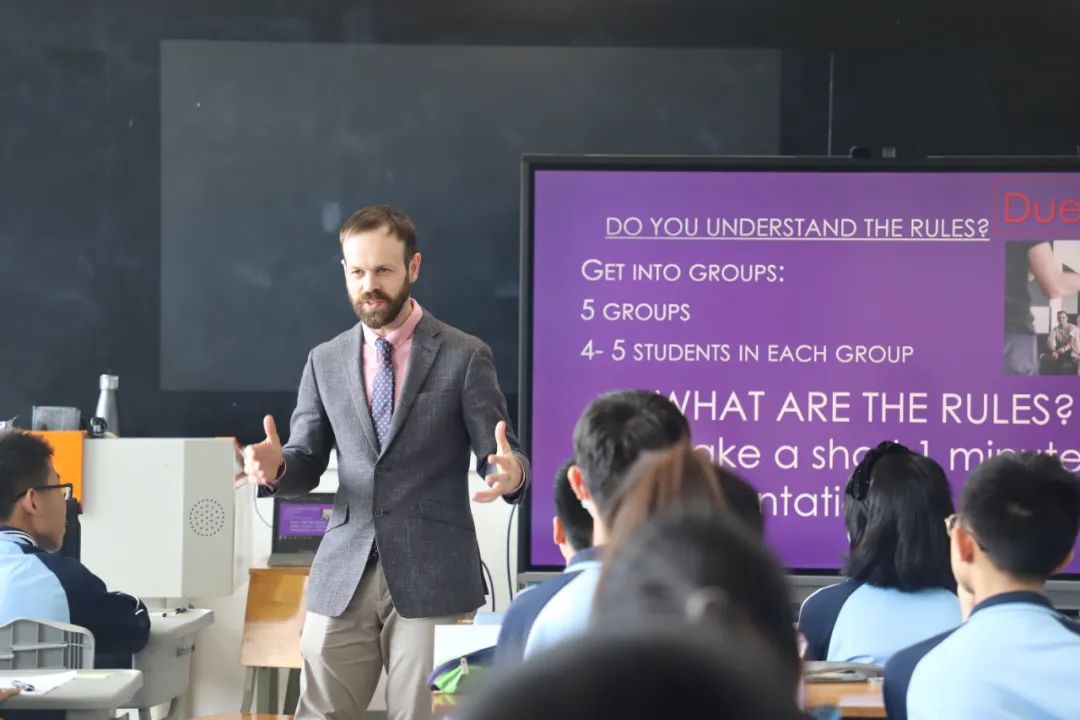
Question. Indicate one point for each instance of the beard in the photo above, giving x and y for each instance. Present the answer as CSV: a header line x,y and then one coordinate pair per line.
x,y
376,318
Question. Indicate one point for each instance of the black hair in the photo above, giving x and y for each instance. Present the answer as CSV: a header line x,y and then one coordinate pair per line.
x,y
1024,511
24,463
895,506
742,499
615,429
641,674
710,572
576,520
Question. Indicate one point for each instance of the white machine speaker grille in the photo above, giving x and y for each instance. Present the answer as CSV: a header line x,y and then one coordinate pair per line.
x,y
206,517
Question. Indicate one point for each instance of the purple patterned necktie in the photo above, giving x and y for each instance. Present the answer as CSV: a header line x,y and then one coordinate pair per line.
x,y
382,394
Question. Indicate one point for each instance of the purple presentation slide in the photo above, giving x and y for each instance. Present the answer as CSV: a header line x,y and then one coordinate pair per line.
x,y
798,317
300,519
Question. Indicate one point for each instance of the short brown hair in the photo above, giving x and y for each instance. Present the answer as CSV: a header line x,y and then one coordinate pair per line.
x,y
378,217
678,480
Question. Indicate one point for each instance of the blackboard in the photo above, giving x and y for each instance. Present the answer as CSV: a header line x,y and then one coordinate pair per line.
x,y
267,147
81,150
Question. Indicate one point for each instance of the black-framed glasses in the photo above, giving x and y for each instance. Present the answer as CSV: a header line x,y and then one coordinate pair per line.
x,y
68,488
953,521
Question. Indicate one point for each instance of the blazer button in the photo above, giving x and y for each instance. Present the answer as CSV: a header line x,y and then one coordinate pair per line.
x,y
379,512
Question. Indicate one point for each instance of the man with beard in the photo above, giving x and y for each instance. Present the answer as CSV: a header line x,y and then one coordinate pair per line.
x,y
403,398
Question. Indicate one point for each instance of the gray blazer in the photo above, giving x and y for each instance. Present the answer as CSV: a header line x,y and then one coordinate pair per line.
x,y
412,499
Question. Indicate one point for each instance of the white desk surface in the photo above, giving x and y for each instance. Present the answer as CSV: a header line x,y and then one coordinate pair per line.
x,y
90,690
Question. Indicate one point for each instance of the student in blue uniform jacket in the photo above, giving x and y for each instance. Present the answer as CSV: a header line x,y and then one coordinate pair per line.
x,y
38,584
1015,656
572,532
899,587
613,431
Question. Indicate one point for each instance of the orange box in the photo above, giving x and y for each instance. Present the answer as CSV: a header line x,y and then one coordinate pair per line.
x,y
67,448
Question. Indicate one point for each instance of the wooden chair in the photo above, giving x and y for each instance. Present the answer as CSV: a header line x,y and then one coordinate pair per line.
x,y
273,621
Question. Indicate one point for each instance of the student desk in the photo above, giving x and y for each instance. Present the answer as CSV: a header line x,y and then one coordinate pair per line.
x,y
855,699
92,695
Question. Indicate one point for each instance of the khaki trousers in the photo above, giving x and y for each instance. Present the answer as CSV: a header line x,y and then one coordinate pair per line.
x,y
344,657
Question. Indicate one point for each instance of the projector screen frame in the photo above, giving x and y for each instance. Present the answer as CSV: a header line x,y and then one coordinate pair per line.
x,y
1065,589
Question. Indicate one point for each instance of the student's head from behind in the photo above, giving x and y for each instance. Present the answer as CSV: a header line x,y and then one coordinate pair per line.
x,y
641,673
609,436
742,499
895,504
379,256
572,524
711,574
677,479
31,498
1019,516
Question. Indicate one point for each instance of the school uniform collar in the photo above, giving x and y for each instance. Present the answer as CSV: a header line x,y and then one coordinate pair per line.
x,y
588,555
1019,596
15,534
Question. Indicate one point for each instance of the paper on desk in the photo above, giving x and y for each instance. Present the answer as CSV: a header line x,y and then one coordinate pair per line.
x,y
42,683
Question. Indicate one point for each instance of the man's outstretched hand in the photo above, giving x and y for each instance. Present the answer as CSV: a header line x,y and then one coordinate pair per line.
x,y
262,461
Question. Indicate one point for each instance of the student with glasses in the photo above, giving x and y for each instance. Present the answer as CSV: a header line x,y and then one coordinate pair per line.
x,y
899,588
39,584
1015,656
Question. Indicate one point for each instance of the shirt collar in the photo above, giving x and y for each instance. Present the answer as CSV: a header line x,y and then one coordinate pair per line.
x,y
9,533
589,554
1020,596
401,334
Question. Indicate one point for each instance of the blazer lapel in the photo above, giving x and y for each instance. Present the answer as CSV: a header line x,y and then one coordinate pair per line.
x,y
425,346
354,374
